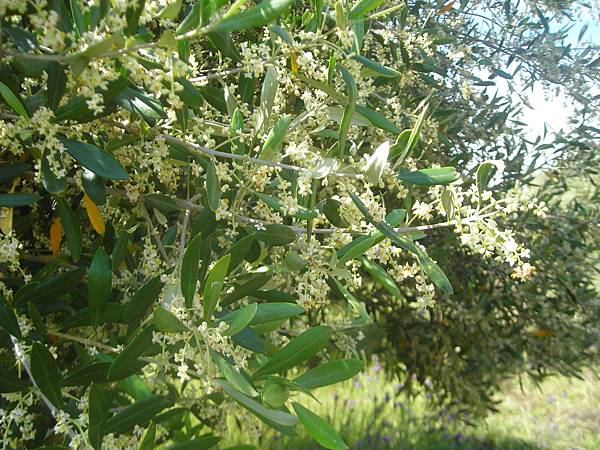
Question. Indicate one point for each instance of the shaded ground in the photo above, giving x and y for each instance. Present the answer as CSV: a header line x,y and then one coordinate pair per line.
x,y
373,415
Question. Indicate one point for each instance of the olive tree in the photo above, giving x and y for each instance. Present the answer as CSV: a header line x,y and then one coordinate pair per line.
x,y
197,195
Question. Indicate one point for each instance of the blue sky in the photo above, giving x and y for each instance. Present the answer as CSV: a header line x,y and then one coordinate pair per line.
x,y
547,107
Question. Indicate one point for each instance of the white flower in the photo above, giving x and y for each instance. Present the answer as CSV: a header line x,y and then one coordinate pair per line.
x,y
422,210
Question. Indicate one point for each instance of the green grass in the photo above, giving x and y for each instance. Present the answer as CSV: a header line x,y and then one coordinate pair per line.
x,y
370,413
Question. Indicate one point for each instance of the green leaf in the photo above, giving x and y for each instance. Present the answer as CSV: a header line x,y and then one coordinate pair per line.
x,y
166,321
330,372
298,350
447,199
11,382
95,159
99,284
413,138
268,415
119,250
283,34
162,202
275,394
10,171
213,186
250,340
8,319
78,17
98,415
239,251
336,113
272,146
140,413
18,199
378,120
149,438
215,97
266,312
57,85
113,313
484,173
294,261
45,374
331,209
502,73
71,225
189,94
13,100
241,319
263,13
276,235
214,285
189,269
340,15
233,375
359,307
400,145
355,249
142,105
49,287
171,10
50,181
200,443
143,299
376,67
430,177
268,93
94,187
88,373
362,7
381,276
126,362
320,430
100,47
191,21
348,109
256,281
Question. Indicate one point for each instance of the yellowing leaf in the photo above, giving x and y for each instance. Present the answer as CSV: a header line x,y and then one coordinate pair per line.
x,y
6,220
94,215
56,230
6,214
55,235
294,62
543,332
446,8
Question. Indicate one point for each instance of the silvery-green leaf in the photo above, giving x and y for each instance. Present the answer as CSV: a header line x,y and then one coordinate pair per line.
x,y
267,96
376,163
324,168
337,112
